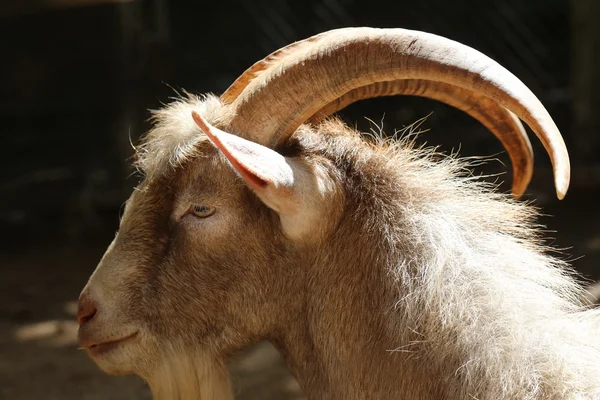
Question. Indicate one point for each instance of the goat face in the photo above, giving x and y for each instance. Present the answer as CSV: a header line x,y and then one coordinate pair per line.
x,y
193,264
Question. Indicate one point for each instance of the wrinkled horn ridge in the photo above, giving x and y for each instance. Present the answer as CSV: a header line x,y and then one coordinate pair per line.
x,y
292,85
501,122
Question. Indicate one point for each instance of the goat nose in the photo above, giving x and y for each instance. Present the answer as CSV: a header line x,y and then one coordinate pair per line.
x,y
86,309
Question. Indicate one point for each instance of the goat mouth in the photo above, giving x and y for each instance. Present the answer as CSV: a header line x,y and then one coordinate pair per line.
x,y
109,345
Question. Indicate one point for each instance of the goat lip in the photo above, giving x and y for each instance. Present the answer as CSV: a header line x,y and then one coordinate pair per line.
x,y
97,348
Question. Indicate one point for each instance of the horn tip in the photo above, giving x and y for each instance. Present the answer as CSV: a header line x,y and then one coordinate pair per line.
x,y
516,194
562,186
562,174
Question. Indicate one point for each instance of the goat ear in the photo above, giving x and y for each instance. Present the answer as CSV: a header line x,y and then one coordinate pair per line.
x,y
265,171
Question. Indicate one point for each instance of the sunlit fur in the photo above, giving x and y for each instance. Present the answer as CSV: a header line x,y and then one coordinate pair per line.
x,y
430,285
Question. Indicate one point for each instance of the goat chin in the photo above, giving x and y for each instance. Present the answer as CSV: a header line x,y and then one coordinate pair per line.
x,y
183,376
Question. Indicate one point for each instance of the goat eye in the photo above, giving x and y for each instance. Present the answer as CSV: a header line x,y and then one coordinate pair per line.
x,y
202,211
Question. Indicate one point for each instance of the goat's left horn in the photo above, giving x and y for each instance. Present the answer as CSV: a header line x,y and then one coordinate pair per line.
x,y
321,69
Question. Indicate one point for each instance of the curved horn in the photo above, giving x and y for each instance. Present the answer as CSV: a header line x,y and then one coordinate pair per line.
x,y
323,68
501,122
264,65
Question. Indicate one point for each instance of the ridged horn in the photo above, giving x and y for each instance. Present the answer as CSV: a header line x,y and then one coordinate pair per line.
x,y
502,123
270,106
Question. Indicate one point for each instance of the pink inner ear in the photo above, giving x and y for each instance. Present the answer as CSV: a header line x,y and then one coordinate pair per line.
x,y
247,175
214,135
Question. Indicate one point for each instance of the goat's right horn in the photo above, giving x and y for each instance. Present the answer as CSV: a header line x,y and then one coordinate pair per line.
x,y
502,123
321,69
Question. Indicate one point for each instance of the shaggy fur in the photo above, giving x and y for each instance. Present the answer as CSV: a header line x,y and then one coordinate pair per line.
x,y
430,285
488,307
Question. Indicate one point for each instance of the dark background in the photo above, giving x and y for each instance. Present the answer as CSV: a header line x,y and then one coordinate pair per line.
x,y
78,78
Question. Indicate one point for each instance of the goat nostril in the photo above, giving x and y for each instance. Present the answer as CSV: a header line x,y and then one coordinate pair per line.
x,y
85,317
86,310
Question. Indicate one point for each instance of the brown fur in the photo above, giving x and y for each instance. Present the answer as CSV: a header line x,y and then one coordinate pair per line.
x,y
429,284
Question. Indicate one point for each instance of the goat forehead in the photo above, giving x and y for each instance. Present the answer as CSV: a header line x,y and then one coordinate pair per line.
x,y
204,178
174,136
146,212
207,170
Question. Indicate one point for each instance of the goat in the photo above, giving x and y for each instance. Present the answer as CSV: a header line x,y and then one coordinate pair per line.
x,y
380,270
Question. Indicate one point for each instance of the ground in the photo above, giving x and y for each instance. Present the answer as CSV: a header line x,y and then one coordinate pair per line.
x,y
39,287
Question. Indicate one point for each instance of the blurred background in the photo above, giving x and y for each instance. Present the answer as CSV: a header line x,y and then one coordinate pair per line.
x,y
78,78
